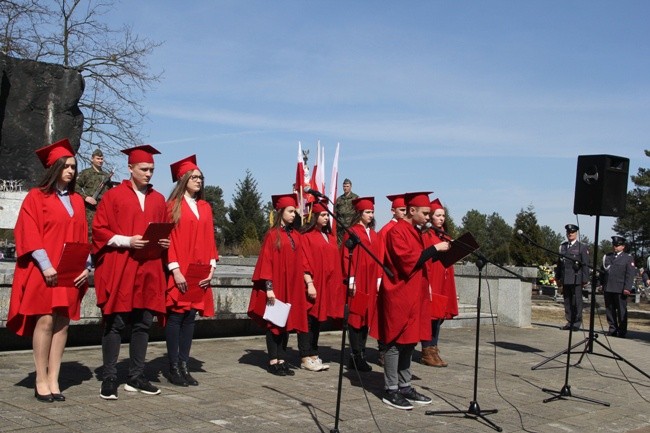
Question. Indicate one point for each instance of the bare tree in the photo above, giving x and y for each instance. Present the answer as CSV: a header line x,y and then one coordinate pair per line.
x,y
112,61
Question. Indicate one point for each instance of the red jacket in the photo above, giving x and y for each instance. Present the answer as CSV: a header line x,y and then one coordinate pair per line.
x,y
192,241
123,283
403,303
44,223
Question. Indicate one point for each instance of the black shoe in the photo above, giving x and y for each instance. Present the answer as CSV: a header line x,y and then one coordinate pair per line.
x,y
176,377
187,376
58,397
415,397
396,400
358,362
612,334
140,384
621,335
277,369
287,370
45,398
575,328
109,389
566,327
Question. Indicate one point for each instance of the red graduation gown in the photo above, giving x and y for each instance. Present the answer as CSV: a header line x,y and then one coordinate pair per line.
x,y
403,302
285,267
323,263
123,283
192,241
44,223
366,272
442,282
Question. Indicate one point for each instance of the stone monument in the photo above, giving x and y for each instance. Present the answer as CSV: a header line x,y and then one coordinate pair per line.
x,y
38,105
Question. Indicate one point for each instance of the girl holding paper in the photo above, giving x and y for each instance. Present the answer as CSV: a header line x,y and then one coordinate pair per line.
x,y
442,282
51,215
280,275
364,280
192,258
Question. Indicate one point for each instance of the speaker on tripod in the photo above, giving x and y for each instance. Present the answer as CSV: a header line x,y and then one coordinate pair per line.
x,y
601,185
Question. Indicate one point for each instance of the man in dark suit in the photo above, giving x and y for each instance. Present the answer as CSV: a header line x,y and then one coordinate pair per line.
x,y
571,275
618,280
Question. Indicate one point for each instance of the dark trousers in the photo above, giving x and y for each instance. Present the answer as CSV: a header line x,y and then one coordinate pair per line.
x,y
575,291
140,321
358,339
276,345
435,332
308,341
178,335
616,312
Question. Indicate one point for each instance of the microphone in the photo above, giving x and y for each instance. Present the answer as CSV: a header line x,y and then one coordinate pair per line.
x,y
314,193
523,235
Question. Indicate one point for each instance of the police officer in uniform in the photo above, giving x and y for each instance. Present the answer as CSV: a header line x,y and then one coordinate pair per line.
x,y
92,183
344,209
618,280
571,275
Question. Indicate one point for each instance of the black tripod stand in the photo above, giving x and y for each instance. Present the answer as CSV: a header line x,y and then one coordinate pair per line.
x,y
474,411
593,337
565,392
352,242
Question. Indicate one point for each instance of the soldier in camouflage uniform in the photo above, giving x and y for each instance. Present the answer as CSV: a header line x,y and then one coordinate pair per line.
x,y
344,209
89,183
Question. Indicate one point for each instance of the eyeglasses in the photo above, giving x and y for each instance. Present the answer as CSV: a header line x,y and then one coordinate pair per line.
x,y
196,177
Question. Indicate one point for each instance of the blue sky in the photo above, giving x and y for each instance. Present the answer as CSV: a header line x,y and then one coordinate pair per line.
x,y
487,103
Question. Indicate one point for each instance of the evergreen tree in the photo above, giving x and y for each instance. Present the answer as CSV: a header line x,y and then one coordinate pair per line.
x,y
246,215
450,226
214,196
551,240
476,223
497,248
635,224
524,253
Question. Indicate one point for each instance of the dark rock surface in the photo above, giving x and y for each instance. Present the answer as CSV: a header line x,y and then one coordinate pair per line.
x,y
38,105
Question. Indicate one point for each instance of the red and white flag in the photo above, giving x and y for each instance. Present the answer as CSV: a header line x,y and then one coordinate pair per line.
x,y
334,179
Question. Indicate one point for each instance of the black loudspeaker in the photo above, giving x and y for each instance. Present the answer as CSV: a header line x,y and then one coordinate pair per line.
x,y
601,185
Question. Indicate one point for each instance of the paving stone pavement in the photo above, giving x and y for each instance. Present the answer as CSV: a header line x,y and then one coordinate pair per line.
x,y
236,394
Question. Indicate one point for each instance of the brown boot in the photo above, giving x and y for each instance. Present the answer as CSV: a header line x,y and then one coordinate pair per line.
x,y
436,354
428,357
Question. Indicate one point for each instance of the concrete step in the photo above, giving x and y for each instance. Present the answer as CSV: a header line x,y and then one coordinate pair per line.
x,y
467,317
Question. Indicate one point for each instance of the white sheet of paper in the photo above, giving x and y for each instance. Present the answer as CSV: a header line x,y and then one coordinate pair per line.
x,y
277,313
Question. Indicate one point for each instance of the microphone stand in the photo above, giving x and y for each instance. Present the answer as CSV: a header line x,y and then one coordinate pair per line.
x,y
474,411
350,244
565,392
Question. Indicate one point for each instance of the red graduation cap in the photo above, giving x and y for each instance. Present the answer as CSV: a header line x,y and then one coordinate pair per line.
x,y
284,200
179,168
397,200
417,199
59,149
140,154
435,205
319,206
364,203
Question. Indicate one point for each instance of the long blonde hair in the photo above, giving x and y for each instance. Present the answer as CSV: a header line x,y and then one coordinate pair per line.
x,y
175,199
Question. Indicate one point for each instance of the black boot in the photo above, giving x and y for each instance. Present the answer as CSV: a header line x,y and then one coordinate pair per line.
x,y
186,374
175,376
359,363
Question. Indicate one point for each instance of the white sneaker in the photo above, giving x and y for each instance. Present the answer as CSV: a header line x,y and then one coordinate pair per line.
x,y
323,367
311,365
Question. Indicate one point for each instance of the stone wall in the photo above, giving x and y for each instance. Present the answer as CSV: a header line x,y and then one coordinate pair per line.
x,y
510,301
